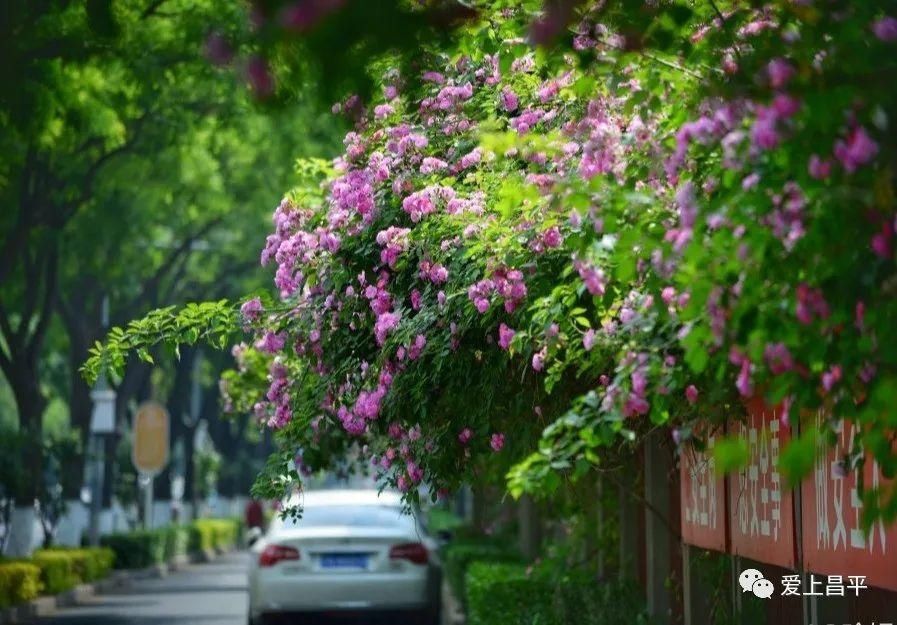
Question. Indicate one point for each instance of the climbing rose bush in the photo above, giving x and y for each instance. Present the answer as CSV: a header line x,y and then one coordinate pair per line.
x,y
555,251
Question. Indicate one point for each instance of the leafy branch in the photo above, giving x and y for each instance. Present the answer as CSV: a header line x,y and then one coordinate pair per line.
x,y
214,323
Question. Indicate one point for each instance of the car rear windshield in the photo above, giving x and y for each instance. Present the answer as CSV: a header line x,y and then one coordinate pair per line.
x,y
351,516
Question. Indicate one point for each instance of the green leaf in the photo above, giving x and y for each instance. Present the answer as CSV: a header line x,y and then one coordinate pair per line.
x,y
730,454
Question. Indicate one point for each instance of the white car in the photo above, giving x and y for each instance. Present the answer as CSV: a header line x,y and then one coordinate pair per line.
x,y
351,552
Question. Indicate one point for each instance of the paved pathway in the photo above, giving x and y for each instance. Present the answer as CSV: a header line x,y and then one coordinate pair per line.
x,y
200,594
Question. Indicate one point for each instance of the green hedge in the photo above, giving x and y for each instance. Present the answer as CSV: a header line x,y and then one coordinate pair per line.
x,y
512,594
57,570
202,536
442,520
88,564
143,548
460,554
137,550
215,534
503,594
584,600
177,541
64,568
19,582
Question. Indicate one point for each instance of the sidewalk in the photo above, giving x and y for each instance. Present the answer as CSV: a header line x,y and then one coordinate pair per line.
x,y
197,594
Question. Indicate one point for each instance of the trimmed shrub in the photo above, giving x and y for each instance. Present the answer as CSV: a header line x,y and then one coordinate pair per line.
x,y
19,582
214,534
143,548
88,564
201,536
136,550
177,541
442,520
583,600
505,594
57,570
509,594
459,555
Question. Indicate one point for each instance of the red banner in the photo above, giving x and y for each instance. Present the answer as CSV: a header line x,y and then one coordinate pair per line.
x,y
703,500
831,511
761,509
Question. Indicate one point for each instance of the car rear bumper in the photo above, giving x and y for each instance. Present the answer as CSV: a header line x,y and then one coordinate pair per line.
x,y
349,617
340,593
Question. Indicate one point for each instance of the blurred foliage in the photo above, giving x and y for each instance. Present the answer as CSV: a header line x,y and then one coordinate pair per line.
x,y
133,170
19,583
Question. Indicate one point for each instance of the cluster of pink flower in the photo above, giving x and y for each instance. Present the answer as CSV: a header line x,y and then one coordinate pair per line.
x,y
506,283
394,241
425,201
278,397
593,277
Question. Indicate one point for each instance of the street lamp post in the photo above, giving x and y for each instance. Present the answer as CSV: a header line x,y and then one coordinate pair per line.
x,y
102,422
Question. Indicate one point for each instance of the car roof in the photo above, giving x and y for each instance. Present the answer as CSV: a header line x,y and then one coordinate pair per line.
x,y
345,497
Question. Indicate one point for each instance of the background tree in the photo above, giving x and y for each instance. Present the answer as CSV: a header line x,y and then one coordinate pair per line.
x,y
134,170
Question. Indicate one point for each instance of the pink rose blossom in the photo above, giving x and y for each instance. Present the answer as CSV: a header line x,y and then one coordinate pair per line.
x,y
831,377
856,150
588,339
743,382
885,28
252,309
539,359
271,342
819,168
509,100
780,72
778,358
881,242
505,336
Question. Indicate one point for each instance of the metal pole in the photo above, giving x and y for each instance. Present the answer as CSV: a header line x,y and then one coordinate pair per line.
x,y
96,443
97,457
147,501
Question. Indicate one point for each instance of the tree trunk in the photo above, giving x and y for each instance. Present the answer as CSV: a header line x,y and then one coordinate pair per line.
x,y
83,326
31,403
479,506
135,385
178,406
530,527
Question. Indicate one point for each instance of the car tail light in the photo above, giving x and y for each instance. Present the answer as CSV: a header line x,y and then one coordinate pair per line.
x,y
273,554
413,552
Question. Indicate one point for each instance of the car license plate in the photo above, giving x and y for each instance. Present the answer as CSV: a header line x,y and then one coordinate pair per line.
x,y
344,561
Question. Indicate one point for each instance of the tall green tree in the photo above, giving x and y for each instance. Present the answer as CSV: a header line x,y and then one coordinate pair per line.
x,y
123,150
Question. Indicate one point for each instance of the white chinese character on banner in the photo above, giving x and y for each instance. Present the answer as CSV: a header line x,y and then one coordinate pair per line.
x,y
701,510
837,487
760,500
857,583
835,586
791,585
813,584
821,484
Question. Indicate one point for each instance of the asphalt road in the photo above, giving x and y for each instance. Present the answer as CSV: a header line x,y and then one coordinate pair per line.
x,y
201,594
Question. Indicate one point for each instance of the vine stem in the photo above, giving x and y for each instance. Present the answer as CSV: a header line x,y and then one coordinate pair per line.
x,y
717,11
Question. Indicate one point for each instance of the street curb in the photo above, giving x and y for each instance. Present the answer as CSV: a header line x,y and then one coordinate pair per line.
x,y
74,596
203,556
452,613
117,580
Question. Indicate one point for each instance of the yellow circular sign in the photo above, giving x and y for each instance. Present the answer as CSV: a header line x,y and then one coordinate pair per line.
x,y
149,450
